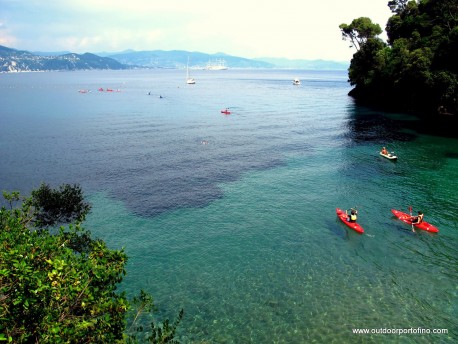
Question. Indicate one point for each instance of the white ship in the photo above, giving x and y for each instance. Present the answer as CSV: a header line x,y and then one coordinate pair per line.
x,y
219,64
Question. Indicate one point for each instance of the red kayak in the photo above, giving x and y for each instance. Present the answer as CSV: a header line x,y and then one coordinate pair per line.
x,y
344,217
226,112
408,219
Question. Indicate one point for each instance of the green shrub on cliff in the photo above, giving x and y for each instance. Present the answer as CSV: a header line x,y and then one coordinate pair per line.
x,y
62,287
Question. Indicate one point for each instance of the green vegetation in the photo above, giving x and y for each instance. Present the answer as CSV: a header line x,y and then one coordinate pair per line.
x,y
60,285
417,69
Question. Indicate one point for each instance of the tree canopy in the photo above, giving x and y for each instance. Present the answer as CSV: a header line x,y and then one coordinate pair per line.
x,y
57,206
416,70
359,31
62,287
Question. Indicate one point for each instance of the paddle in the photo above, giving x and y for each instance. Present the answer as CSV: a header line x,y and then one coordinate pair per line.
x,y
411,221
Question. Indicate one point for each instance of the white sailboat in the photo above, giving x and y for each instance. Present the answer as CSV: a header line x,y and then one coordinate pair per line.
x,y
189,79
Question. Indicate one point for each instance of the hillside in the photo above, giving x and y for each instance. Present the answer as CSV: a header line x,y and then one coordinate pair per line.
x,y
179,59
306,64
12,60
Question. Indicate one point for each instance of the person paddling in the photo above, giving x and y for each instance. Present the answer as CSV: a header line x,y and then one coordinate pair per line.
x,y
384,151
417,219
353,215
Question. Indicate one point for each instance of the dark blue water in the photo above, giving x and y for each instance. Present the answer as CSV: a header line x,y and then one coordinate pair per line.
x,y
233,217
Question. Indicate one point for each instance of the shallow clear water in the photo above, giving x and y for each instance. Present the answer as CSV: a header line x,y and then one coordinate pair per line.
x,y
241,232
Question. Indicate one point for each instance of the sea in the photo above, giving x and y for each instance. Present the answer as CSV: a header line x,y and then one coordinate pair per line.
x,y
232,218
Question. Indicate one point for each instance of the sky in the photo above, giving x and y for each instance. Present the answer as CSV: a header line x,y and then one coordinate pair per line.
x,y
293,29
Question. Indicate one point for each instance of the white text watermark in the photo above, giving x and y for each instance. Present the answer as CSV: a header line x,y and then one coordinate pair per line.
x,y
399,331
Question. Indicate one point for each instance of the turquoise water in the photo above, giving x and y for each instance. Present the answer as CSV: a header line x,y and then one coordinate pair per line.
x,y
241,232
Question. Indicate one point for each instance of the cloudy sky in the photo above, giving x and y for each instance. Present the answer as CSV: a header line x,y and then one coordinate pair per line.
x,y
295,29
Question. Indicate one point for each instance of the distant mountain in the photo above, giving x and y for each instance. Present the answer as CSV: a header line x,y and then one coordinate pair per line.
x,y
306,64
50,53
179,59
12,60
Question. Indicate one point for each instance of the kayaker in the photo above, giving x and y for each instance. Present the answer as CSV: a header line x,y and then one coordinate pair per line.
x,y
353,215
384,151
417,219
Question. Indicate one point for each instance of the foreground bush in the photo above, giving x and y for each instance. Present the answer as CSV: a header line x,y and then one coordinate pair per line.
x,y
62,287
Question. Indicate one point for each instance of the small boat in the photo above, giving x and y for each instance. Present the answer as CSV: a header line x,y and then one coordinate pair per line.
x,y
344,217
226,111
390,156
296,81
404,217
